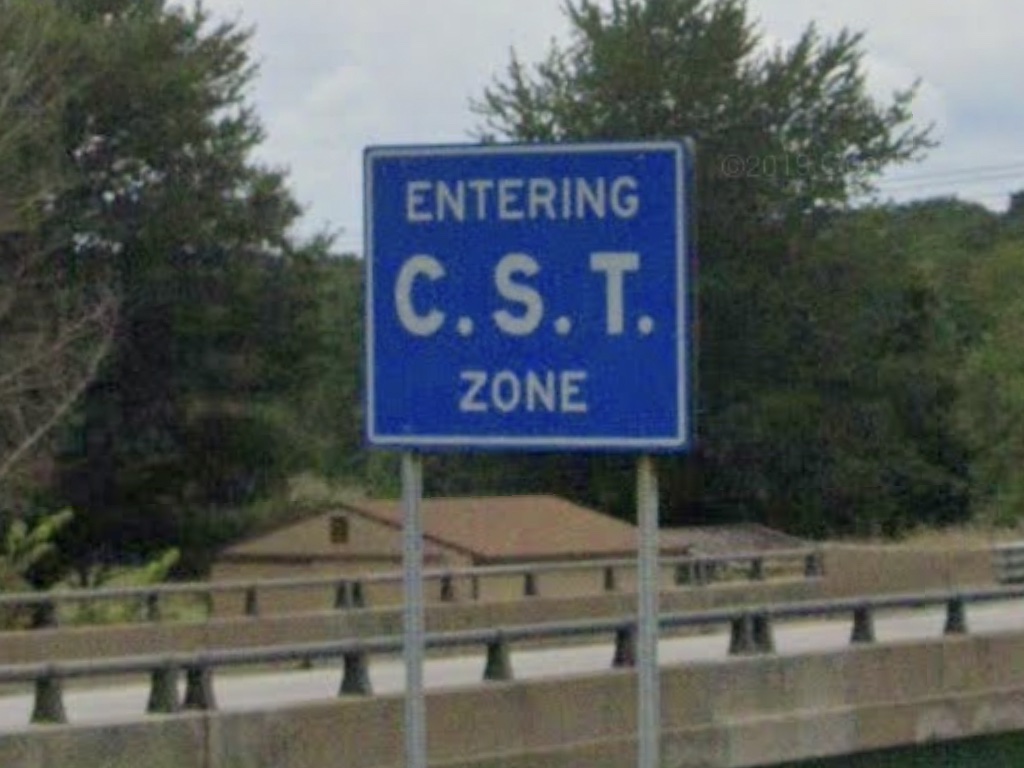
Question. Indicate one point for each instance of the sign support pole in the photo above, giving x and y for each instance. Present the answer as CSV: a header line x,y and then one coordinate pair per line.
x,y
648,582
414,620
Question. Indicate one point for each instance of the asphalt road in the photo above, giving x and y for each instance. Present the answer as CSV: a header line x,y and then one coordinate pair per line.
x,y
271,690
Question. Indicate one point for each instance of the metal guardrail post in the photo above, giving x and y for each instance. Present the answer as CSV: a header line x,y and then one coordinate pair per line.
x,y
355,678
476,587
499,662
49,701
814,566
757,569
625,647
682,574
252,601
341,596
529,584
44,616
163,691
956,617
208,603
199,688
704,573
764,639
152,610
358,595
609,579
447,589
863,625
741,636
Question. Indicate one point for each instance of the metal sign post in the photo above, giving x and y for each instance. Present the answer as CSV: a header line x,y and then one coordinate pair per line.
x,y
414,622
529,297
648,586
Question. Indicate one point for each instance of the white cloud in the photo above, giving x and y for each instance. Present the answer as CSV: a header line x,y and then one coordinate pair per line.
x,y
338,75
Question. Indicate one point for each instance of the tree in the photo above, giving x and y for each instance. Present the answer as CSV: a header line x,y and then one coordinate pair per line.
x,y
332,414
991,409
54,331
864,428
161,212
786,138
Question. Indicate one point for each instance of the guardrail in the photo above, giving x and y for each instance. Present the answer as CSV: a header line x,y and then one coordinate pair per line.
x,y
350,591
751,633
1009,562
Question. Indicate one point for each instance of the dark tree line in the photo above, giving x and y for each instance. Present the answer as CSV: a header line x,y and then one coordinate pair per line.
x,y
857,364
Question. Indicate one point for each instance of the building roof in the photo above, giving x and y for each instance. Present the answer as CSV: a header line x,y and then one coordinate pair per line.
x,y
309,539
491,529
728,539
506,528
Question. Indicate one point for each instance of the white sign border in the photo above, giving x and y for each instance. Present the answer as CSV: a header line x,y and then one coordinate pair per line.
x,y
680,440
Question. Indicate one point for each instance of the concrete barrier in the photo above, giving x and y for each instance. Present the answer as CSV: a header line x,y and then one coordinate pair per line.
x,y
745,711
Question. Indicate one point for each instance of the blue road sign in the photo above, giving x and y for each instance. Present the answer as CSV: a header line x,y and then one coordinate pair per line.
x,y
527,297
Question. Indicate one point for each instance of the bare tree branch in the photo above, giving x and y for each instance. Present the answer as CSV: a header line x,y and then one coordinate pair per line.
x,y
58,408
55,327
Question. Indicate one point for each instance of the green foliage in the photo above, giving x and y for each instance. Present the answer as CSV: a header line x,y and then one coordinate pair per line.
x,y
815,335
30,547
856,368
155,571
195,408
863,426
991,411
33,91
26,546
331,417
53,331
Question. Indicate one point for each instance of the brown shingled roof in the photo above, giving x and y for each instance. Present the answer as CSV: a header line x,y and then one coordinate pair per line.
x,y
504,528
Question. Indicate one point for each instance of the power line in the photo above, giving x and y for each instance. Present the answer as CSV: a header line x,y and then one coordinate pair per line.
x,y
1003,174
969,171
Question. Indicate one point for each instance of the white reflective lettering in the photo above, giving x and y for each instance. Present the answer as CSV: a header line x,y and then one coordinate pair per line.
x,y
615,265
533,392
625,197
572,391
451,204
417,324
568,198
540,393
470,401
415,202
481,188
533,305
505,391
541,194
590,198
509,200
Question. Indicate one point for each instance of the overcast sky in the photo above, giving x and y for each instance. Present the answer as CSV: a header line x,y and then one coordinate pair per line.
x,y
337,75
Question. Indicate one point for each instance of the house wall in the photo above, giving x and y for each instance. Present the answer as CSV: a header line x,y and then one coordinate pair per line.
x,y
305,550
